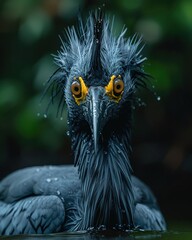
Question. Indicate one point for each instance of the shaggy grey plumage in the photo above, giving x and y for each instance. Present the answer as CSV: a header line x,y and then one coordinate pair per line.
x,y
100,190
76,57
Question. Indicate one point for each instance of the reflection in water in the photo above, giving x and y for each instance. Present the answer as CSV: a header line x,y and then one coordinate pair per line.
x,y
105,235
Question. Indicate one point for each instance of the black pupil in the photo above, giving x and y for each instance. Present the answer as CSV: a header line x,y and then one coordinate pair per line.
x,y
76,88
118,86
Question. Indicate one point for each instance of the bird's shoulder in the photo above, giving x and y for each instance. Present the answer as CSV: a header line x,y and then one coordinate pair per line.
x,y
142,193
62,181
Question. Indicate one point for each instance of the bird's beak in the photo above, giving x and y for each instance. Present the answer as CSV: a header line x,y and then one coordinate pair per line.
x,y
97,112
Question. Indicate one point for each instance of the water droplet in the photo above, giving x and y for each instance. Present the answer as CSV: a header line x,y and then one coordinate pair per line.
x,y
67,122
61,118
153,86
38,114
55,179
45,115
37,170
58,192
67,133
102,227
158,98
48,180
90,229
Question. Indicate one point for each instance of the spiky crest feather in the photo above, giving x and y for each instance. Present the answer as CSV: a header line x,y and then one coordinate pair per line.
x,y
92,50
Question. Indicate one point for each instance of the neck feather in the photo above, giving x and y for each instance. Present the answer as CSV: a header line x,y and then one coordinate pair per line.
x,y
106,181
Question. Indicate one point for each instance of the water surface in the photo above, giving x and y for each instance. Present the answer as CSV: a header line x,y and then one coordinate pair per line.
x,y
106,235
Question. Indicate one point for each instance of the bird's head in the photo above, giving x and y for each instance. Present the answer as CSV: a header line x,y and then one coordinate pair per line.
x,y
97,76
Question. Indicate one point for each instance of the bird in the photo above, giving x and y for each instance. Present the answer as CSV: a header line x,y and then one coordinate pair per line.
x,y
97,77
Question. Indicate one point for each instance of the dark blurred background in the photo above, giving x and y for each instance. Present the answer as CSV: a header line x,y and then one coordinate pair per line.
x,y
162,140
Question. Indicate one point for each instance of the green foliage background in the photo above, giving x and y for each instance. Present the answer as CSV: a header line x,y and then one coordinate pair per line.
x,y
162,142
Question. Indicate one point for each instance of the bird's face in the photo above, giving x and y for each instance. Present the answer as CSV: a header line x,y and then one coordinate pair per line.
x,y
96,105
98,73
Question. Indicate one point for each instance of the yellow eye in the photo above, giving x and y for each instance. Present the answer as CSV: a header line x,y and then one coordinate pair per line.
x,y
76,89
115,88
79,90
118,87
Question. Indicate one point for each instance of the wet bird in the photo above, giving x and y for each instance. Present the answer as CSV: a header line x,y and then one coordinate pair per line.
x,y
97,76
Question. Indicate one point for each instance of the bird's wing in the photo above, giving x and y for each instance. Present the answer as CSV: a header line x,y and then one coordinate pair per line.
x,y
48,180
35,200
147,214
40,214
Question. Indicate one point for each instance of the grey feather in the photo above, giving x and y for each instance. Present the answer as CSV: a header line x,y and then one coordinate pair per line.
x,y
40,214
